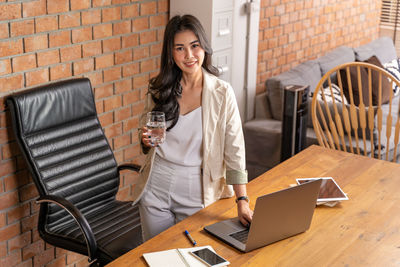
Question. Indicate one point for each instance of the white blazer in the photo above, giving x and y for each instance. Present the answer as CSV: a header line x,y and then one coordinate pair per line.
x,y
224,161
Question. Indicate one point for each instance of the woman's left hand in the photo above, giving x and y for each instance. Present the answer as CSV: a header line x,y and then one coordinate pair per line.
x,y
245,214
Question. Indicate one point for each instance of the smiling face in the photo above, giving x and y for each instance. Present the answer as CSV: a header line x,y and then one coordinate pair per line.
x,y
187,52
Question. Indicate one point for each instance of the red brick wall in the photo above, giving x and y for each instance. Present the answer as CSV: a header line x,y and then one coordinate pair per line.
x,y
294,31
116,44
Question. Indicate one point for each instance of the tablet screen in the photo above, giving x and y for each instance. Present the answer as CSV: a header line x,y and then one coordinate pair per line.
x,y
329,189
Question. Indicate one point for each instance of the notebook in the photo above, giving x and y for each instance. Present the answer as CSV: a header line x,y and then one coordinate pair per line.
x,y
277,216
179,257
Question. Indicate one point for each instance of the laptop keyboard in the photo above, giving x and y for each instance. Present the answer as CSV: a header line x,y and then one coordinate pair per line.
x,y
241,236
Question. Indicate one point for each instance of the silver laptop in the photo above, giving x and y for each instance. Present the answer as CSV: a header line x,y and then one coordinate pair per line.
x,y
277,216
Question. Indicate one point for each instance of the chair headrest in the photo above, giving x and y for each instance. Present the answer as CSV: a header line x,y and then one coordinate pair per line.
x,y
53,104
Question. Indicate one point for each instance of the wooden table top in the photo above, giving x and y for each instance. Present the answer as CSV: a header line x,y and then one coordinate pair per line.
x,y
363,231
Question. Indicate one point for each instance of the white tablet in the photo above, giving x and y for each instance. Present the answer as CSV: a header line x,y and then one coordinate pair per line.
x,y
329,191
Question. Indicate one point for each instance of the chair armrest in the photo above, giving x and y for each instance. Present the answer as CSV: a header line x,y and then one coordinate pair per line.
x,y
79,219
132,167
262,107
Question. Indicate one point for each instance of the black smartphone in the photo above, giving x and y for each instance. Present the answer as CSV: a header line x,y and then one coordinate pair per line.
x,y
209,257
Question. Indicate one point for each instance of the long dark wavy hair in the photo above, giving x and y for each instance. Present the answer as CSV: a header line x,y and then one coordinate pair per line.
x,y
165,88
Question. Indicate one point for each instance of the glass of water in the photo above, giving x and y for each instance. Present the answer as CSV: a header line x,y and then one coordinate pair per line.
x,y
156,127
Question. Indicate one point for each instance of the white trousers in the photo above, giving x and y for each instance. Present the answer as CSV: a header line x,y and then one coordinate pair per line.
x,y
172,193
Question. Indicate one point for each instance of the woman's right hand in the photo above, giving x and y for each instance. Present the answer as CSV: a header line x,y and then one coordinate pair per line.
x,y
145,137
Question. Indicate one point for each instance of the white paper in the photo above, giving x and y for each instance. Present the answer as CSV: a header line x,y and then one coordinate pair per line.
x,y
167,258
175,258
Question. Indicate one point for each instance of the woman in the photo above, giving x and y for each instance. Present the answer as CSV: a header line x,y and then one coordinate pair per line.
x,y
202,158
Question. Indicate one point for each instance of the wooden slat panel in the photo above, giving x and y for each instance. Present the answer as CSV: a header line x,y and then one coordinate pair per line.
x,y
357,121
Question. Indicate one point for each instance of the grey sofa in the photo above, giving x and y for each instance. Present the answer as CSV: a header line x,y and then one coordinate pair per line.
x,y
263,133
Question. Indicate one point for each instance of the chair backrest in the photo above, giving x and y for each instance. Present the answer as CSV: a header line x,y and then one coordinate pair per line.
x,y
359,114
62,140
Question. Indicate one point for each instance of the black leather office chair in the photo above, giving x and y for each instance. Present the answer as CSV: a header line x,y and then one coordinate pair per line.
x,y
74,170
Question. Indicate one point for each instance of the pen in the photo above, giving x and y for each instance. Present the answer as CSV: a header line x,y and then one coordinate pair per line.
x,y
190,238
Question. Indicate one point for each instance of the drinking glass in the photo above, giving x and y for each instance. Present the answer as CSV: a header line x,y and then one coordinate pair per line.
x,y
156,127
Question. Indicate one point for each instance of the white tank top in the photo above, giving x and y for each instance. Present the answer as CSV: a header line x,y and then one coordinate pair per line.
x,y
183,143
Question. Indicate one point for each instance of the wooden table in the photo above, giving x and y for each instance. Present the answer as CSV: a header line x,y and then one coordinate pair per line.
x,y
363,231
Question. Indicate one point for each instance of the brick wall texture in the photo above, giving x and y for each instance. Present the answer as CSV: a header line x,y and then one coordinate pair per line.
x,y
294,31
117,45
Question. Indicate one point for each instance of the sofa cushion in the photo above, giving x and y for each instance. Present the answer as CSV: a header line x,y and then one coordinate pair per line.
x,y
307,73
310,73
340,55
355,86
393,68
383,48
331,93
262,109
275,87
261,136
386,85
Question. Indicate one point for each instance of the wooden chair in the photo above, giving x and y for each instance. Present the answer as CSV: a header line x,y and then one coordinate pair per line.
x,y
352,109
